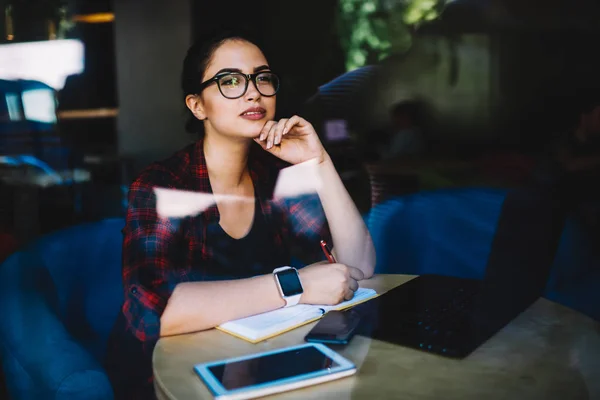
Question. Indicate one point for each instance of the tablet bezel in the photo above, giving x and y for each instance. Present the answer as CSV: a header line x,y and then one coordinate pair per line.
x,y
219,390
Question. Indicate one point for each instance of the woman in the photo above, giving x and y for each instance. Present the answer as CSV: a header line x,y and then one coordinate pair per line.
x,y
191,274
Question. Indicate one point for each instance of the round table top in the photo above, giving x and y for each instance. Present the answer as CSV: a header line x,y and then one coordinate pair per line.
x,y
549,351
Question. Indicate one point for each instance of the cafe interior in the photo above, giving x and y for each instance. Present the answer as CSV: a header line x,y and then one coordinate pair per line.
x,y
432,112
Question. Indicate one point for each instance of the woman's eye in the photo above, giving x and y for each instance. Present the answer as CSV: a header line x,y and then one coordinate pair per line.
x,y
230,81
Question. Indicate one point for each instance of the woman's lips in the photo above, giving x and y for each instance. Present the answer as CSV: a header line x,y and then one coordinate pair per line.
x,y
254,113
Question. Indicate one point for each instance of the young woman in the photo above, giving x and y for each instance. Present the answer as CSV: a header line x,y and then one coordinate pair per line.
x,y
194,273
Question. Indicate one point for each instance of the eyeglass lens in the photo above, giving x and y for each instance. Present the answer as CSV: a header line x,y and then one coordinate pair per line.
x,y
234,85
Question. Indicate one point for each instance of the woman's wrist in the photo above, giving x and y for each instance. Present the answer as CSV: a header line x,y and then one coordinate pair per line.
x,y
324,158
305,283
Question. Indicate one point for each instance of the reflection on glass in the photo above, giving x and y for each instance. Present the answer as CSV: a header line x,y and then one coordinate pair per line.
x,y
40,105
12,103
50,61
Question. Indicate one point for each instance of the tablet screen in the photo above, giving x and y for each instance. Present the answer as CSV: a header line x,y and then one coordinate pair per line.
x,y
272,367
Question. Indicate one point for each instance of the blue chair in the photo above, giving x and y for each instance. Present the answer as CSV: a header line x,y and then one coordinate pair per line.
x,y
450,232
59,298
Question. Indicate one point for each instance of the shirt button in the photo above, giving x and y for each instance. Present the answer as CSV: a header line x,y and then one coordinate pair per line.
x,y
134,290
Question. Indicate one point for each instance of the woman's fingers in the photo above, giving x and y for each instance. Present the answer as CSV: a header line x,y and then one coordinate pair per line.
x,y
348,295
295,120
279,131
265,130
271,135
353,285
356,274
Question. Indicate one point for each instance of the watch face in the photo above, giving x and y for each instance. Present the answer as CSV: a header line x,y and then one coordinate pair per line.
x,y
289,282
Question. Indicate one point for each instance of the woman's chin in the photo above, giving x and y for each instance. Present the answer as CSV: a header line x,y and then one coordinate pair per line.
x,y
247,130
251,132
245,135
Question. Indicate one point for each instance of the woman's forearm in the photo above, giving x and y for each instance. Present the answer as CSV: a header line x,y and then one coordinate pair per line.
x,y
197,306
351,239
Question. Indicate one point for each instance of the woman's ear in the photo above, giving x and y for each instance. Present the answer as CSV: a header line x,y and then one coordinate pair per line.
x,y
194,103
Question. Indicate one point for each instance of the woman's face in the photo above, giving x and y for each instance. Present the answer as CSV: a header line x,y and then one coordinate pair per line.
x,y
246,115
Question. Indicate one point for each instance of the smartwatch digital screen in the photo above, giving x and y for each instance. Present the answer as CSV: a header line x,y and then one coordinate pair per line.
x,y
289,282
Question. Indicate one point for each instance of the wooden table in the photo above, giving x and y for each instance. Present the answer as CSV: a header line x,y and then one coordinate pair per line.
x,y
548,352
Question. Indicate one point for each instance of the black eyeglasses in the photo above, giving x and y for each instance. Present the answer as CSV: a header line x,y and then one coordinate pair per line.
x,y
234,85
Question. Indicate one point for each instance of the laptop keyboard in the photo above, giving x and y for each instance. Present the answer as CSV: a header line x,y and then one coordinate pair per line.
x,y
432,313
437,323
459,304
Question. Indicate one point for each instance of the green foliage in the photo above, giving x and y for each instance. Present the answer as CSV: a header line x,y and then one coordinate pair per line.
x,y
371,30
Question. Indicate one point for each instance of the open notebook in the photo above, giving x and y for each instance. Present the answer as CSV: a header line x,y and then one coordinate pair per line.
x,y
259,327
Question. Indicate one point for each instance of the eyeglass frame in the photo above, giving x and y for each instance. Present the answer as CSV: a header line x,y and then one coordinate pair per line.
x,y
249,77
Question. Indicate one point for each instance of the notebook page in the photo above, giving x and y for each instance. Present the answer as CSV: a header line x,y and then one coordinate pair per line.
x,y
360,295
270,323
261,325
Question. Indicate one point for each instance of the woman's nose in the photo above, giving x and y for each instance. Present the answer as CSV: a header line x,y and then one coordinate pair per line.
x,y
252,92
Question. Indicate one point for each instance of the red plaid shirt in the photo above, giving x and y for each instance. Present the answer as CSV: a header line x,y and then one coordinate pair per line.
x,y
159,253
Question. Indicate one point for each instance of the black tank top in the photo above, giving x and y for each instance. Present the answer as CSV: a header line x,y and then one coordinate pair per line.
x,y
254,254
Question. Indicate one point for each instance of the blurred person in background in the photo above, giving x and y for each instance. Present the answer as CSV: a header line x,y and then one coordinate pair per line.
x,y
406,132
572,167
579,149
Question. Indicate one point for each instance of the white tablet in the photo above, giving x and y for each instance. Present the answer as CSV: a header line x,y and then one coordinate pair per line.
x,y
274,371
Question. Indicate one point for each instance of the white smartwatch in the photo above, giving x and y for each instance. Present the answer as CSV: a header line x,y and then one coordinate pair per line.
x,y
289,285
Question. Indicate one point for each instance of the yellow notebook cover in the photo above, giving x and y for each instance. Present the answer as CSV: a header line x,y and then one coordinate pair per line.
x,y
264,326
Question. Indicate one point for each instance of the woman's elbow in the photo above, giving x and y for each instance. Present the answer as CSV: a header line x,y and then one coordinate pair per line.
x,y
369,269
171,325
176,318
368,272
166,329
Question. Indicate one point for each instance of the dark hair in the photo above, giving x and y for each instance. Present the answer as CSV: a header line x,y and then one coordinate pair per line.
x,y
196,61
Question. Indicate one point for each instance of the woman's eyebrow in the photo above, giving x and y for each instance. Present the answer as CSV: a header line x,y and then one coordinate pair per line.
x,y
256,69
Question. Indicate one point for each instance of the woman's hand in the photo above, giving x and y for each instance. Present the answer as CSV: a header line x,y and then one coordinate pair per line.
x,y
329,284
293,140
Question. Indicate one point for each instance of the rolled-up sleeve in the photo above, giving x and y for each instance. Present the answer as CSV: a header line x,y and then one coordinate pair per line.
x,y
307,225
150,246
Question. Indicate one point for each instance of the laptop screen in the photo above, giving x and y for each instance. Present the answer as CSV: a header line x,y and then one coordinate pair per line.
x,y
523,250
